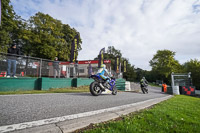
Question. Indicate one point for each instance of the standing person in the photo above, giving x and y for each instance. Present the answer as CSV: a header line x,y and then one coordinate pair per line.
x,y
165,87
89,70
11,59
56,69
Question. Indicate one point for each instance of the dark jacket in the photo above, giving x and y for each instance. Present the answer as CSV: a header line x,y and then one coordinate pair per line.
x,y
143,82
14,52
56,64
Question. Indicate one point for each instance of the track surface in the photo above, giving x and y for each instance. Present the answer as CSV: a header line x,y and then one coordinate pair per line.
x,y
16,109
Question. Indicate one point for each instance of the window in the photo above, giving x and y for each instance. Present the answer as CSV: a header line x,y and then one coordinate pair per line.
x,y
81,70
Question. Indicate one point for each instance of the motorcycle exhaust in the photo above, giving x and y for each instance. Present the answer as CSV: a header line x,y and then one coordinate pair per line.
x,y
102,86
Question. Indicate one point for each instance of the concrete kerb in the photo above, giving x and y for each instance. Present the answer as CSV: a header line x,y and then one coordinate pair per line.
x,y
71,123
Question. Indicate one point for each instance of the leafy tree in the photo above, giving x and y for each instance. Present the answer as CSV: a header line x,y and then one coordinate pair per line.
x,y
41,36
46,37
111,54
112,51
7,26
26,39
69,34
164,63
130,75
193,66
140,73
18,32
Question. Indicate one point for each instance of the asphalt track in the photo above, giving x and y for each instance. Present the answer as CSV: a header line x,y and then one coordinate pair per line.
x,y
16,109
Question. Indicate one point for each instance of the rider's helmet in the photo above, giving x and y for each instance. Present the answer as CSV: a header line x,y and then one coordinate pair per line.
x,y
103,66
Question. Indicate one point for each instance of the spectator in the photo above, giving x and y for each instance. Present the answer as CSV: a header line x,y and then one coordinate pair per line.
x,y
165,87
56,69
11,58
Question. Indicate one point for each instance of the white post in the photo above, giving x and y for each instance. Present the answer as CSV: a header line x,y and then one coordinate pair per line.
x,y
172,78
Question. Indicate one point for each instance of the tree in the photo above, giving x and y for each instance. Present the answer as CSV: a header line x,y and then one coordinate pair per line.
x,y
69,34
193,66
8,23
112,51
130,75
164,63
40,36
111,54
46,37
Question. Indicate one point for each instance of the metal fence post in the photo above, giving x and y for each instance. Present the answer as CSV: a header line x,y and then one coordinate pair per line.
x,y
40,68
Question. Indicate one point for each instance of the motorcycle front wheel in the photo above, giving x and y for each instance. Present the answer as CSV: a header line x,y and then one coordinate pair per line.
x,y
114,92
143,89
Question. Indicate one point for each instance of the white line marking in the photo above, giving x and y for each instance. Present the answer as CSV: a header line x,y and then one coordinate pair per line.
x,y
24,125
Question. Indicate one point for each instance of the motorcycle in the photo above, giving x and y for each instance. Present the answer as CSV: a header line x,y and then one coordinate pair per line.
x,y
99,85
144,88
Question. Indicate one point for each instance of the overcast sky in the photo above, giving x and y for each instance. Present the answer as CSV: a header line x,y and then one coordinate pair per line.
x,y
136,27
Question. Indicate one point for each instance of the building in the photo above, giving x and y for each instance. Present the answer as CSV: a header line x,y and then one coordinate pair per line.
x,y
81,69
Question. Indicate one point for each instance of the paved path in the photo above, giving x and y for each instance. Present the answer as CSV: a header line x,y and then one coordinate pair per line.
x,y
16,109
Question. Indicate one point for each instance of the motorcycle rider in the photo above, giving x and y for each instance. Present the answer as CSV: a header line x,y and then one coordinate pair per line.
x,y
101,73
143,82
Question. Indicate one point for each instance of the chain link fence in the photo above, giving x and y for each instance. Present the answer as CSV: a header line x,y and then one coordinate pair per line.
x,y
27,66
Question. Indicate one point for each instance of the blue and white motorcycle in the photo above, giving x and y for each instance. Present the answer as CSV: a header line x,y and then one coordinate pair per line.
x,y
99,85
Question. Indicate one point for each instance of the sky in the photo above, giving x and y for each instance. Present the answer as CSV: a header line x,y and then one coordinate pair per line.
x,y
138,28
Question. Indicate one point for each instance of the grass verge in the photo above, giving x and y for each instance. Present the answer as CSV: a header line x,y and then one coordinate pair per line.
x,y
178,114
61,90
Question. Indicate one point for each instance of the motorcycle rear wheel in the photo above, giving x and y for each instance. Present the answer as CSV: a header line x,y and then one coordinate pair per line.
x,y
143,89
95,89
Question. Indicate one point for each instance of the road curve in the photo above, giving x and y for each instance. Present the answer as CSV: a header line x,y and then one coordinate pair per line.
x,y
16,109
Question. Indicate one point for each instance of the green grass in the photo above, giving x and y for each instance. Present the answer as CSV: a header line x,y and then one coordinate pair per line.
x,y
62,90
178,114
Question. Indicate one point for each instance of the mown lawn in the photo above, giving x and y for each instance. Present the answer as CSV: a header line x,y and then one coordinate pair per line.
x,y
62,90
178,114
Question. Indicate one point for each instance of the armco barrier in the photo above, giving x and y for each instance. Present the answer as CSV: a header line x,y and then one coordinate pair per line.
x,y
14,84
120,84
81,82
25,84
49,83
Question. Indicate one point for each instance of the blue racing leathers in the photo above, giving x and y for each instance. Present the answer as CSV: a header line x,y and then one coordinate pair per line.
x,y
101,73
